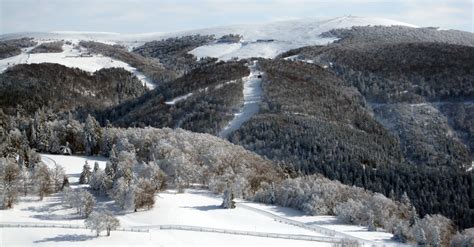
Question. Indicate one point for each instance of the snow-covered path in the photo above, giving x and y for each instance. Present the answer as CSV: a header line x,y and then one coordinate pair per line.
x,y
252,99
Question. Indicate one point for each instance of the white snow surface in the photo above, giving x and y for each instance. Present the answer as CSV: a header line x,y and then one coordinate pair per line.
x,y
195,207
73,57
284,36
326,221
252,98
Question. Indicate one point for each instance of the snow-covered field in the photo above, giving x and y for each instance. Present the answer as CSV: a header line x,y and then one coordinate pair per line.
x,y
196,207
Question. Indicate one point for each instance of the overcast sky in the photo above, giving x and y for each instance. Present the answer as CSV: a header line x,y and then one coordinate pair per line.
x,y
132,16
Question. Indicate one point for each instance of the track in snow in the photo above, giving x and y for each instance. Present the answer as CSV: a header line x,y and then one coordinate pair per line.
x,y
252,99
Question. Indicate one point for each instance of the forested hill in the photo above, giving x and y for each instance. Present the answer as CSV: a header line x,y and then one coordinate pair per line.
x,y
386,108
54,86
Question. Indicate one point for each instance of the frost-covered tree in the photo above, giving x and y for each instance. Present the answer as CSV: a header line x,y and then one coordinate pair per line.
x,y
99,222
54,145
228,199
414,218
145,194
96,166
119,192
406,200
129,199
80,199
85,174
88,203
109,170
420,235
349,211
400,233
125,166
92,135
435,238
154,174
57,176
43,180
24,180
97,179
10,174
371,223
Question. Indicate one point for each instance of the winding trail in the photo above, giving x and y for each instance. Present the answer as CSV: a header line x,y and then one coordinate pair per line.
x,y
252,99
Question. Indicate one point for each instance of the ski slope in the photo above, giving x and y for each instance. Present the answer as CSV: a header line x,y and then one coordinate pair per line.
x,y
252,98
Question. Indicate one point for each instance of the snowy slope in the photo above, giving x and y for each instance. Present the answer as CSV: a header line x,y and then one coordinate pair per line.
x,y
284,35
252,92
198,208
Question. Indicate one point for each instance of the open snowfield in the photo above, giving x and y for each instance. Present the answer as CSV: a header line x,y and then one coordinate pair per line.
x,y
196,207
73,57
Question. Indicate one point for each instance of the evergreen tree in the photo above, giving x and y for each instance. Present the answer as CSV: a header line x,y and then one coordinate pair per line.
x,y
406,200
399,234
371,222
420,235
92,135
109,170
228,199
413,216
435,237
96,166
85,174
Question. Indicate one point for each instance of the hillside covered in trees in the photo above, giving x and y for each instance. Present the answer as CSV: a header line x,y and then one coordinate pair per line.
x,y
375,128
54,86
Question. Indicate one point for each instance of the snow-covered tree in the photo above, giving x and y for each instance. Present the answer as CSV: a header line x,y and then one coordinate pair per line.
x,y
400,233
420,235
435,239
119,192
10,174
145,194
97,179
96,166
43,180
92,135
57,176
154,174
80,199
88,203
129,200
125,166
109,170
54,145
24,180
413,216
406,200
349,211
371,223
99,222
228,199
85,174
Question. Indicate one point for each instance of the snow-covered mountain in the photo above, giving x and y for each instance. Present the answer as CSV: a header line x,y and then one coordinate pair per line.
x,y
258,40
